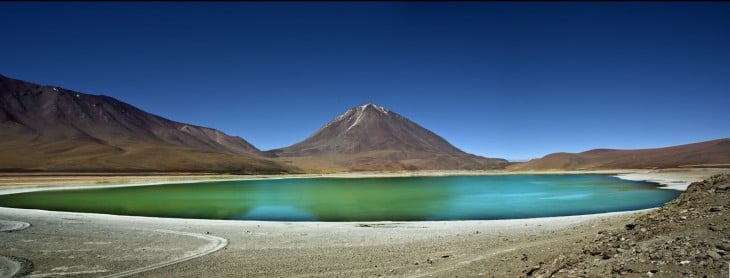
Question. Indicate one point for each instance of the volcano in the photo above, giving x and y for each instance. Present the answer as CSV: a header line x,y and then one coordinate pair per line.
x,y
371,138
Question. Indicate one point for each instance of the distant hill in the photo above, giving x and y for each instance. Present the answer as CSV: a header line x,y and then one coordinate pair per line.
x,y
708,153
370,137
54,129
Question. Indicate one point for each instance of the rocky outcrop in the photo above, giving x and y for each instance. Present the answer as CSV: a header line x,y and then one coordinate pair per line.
x,y
688,237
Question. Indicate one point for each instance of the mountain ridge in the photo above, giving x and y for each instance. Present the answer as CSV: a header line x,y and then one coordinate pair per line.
x,y
52,128
48,128
712,152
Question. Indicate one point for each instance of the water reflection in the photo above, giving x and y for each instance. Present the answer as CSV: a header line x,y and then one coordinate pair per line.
x,y
278,213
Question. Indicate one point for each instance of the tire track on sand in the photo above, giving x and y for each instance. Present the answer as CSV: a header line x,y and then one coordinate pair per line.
x,y
11,226
214,244
461,263
13,266
494,252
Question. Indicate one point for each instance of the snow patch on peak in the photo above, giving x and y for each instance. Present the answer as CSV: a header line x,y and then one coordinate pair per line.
x,y
357,113
382,109
357,119
360,111
377,107
339,118
347,115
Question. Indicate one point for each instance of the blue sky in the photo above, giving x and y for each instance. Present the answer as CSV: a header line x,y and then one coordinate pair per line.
x,y
498,79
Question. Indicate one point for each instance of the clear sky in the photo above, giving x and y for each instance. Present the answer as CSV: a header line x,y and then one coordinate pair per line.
x,y
512,80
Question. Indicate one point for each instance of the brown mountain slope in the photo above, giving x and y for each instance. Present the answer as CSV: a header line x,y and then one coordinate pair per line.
x,y
703,153
54,129
370,137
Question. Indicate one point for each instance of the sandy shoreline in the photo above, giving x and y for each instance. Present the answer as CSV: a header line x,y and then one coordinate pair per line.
x,y
63,243
669,177
80,244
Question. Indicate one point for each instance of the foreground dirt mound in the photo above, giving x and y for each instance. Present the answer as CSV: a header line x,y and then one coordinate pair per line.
x,y
688,237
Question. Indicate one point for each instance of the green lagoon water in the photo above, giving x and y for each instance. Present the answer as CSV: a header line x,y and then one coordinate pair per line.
x,y
361,199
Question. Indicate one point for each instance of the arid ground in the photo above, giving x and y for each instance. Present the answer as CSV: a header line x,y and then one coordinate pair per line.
x,y
92,245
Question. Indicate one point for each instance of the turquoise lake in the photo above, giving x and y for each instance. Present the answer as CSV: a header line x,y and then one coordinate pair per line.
x,y
361,199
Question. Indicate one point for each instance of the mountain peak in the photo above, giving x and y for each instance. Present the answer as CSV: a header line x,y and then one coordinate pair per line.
x,y
374,106
371,137
354,116
360,113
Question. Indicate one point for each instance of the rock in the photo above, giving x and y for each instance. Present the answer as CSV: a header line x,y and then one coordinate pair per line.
x,y
723,246
532,270
606,256
714,255
686,237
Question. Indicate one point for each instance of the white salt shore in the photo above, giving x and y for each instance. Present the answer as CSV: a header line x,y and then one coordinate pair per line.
x,y
670,180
